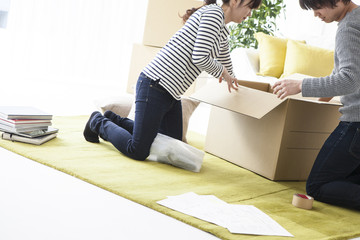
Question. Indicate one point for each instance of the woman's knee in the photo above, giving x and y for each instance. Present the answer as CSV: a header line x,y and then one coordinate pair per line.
x,y
137,153
139,156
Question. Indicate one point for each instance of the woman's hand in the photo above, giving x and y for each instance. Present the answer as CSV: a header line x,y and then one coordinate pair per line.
x,y
287,87
231,81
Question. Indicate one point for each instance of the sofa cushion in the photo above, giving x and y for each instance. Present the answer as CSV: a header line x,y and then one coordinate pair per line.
x,y
308,60
188,107
245,62
272,52
120,105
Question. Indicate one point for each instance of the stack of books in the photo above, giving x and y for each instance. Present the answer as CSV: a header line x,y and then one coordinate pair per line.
x,y
26,124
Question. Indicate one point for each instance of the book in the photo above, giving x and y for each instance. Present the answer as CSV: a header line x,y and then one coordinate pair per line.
x,y
37,140
23,112
18,122
6,128
31,133
24,125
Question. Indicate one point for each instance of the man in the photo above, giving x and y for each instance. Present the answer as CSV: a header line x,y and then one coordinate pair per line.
x,y
335,176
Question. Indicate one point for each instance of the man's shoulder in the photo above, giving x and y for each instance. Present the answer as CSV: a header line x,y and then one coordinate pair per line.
x,y
351,21
353,16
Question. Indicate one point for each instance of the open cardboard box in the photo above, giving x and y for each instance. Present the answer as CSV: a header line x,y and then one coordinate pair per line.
x,y
251,127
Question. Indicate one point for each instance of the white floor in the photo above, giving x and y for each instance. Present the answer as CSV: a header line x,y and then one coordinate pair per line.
x,y
38,202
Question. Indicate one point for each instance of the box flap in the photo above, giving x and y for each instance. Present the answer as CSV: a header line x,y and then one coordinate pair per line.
x,y
298,97
247,100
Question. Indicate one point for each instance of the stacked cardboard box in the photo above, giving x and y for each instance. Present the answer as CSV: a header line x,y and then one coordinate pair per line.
x,y
159,27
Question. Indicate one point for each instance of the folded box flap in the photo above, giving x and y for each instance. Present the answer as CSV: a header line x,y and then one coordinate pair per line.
x,y
298,97
247,100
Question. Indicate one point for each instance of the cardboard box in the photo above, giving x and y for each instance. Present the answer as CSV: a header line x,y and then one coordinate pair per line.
x,y
278,139
163,20
141,56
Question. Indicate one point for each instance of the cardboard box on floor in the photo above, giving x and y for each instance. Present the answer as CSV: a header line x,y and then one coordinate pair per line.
x,y
251,127
140,57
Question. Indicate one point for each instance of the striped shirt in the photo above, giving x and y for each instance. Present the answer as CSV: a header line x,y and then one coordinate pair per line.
x,y
200,45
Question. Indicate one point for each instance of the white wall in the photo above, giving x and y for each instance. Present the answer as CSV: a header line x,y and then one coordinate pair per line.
x,y
66,53
85,41
301,24
4,9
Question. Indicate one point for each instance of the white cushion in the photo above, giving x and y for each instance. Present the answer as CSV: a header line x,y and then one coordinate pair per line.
x,y
120,105
245,63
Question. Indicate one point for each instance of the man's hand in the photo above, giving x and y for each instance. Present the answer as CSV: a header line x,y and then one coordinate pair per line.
x,y
287,87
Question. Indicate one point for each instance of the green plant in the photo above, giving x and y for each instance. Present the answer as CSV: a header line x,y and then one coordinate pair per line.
x,y
261,20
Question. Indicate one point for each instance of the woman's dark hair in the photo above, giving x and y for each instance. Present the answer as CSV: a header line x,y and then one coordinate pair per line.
x,y
253,4
317,4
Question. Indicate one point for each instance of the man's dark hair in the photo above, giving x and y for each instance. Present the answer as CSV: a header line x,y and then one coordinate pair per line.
x,y
317,4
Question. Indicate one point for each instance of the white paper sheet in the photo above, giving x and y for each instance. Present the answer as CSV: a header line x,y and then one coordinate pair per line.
x,y
242,219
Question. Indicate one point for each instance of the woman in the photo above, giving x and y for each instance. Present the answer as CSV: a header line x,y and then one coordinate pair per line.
x,y
200,45
335,176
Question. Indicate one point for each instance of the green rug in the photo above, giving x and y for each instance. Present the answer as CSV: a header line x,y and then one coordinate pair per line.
x,y
147,182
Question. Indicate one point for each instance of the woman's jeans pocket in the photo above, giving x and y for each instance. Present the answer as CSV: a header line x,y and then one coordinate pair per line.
x,y
142,88
355,145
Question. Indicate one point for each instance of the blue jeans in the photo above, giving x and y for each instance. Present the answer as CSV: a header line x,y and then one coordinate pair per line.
x,y
335,176
155,111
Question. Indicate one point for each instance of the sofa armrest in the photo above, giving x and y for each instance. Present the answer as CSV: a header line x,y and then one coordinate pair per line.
x,y
245,63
